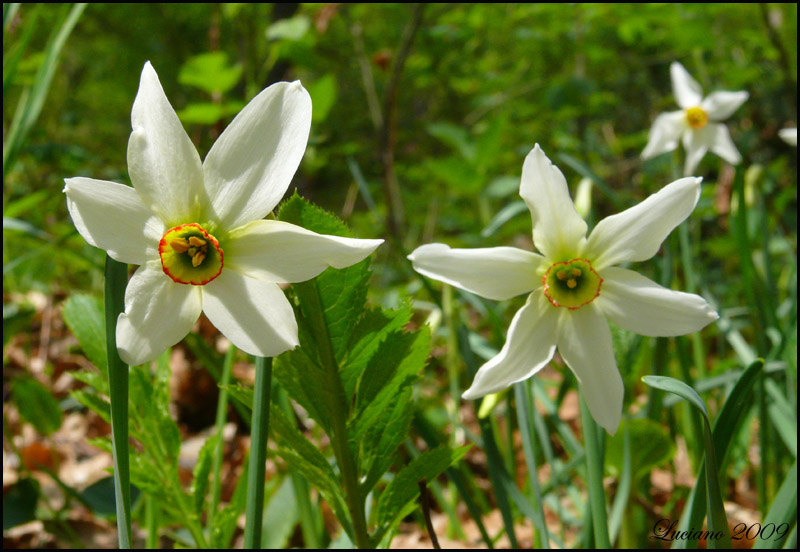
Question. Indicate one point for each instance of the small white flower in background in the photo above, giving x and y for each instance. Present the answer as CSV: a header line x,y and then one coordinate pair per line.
x,y
196,228
574,286
697,124
788,135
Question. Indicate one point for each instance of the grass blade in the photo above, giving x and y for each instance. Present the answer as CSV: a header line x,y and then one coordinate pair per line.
x,y
594,471
783,509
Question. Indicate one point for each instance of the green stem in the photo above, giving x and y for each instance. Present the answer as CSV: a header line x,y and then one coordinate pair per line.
x,y
222,414
258,454
594,471
151,517
115,284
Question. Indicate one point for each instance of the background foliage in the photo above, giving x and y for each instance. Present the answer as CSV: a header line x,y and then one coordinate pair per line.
x,y
422,117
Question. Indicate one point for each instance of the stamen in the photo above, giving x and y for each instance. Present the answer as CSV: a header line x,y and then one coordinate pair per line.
x,y
561,274
197,242
180,245
576,272
571,283
197,259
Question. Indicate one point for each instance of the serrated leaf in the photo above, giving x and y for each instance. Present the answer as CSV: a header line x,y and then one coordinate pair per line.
x,y
371,331
95,380
374,410
36,405
83,315
241,393
403,488
300,376
94,403
224,526
342,293
201,472
323,94
99,496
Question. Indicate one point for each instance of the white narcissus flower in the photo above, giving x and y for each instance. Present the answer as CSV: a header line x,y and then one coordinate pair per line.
x,y
196,229
697,124
788,135
574,286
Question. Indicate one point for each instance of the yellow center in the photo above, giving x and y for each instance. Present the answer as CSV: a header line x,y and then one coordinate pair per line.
x,y
571,284
696,117
190,255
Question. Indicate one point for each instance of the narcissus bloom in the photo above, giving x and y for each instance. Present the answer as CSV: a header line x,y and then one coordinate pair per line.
x,y
788,135
574,286
696,124
196,228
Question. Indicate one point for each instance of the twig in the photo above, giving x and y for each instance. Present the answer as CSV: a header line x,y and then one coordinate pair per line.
x,y
425,503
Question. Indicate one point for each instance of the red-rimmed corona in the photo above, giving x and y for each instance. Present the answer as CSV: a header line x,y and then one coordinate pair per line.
x,y
190,255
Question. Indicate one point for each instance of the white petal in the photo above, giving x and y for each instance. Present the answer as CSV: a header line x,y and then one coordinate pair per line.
x,y
280,252
636,303
494,272
162,161
252,163
665,133
529,346
722,145
696,144
112,217
558,230
158,314
788,135
254,315
687,91
636,233
721,105
584,342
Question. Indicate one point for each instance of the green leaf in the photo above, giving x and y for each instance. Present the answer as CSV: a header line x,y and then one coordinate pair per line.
x,y
342,293
210,72
653,447
99,496
733,411
19,502
783,509
679,388
94,403
293,28
201,472
371,331
323,94
83,315
301,377
209,113
503,216
455,136
36,405
403,488
280,517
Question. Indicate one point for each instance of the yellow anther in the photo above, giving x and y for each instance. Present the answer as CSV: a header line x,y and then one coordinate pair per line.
x,y
180,245
192,251
197,259
576,272
571,284
561,274
195,241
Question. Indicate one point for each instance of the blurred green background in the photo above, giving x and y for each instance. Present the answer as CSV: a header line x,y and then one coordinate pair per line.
x,y
423,115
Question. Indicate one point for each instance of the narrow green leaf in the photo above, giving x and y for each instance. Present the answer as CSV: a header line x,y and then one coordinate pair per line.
x,y
782,511
280,517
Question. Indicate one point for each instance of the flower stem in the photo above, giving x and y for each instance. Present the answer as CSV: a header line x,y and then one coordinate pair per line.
x,y
116,281
258,454
594,471
222,411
